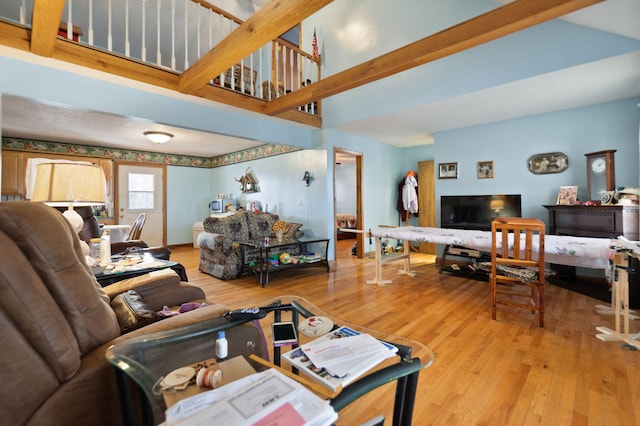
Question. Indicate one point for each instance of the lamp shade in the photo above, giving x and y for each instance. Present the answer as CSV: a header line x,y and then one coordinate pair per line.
x,y
64,184
496,204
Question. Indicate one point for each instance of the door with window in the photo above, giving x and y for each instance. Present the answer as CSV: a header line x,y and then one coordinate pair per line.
x,y
141,189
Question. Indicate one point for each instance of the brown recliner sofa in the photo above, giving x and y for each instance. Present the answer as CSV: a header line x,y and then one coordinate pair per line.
x,y
56,323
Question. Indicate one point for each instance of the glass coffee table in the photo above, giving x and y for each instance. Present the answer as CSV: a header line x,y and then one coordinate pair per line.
x,y
107,276
304,256
148,359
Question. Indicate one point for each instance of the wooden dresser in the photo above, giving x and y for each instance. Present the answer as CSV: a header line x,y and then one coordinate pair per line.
x,y
594,221
599,222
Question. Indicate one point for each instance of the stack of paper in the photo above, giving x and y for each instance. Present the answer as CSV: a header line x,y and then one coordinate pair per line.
x,y
266,398
340,357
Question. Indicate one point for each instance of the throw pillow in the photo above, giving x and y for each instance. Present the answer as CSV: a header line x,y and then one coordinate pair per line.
x,y
289,230
260,224
132,312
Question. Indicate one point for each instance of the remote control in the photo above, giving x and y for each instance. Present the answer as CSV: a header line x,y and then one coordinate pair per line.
x,y
246,313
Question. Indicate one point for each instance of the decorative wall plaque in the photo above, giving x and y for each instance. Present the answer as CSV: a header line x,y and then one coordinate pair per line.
x,y
551,162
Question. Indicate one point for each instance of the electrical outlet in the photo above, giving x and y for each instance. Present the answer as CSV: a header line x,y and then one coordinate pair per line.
x,y
299,201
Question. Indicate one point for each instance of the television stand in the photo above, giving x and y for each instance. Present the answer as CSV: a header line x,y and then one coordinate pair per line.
x,y
473,255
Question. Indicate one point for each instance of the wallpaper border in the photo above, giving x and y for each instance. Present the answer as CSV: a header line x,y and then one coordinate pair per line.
x,y
262,151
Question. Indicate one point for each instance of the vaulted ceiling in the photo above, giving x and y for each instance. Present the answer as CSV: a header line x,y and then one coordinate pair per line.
x,y
619,78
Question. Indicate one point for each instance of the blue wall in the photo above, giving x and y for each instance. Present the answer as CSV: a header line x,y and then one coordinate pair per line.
x,y
188,195
509,144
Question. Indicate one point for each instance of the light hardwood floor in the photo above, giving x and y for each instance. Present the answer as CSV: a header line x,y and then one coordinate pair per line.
x,y
504,372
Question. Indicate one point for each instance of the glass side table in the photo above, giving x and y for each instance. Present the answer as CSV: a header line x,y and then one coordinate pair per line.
x,y
146,360
262,266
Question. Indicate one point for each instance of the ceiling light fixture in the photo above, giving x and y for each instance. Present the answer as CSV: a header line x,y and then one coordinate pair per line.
x,y
158,137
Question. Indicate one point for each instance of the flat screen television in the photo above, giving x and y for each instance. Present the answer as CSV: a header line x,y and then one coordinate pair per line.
x,y
476,212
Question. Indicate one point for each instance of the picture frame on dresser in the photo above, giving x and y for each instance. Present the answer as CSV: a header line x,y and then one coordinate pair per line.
x,y
567,196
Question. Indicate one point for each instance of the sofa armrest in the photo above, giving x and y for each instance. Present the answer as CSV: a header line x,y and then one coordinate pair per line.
x,y
210,312
158,288
211,241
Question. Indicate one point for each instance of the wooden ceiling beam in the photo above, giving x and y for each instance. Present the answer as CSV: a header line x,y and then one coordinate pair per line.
x,y
44,25
271,21
494,24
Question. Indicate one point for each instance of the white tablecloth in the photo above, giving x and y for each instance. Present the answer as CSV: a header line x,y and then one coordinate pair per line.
x,y
117,233
560,249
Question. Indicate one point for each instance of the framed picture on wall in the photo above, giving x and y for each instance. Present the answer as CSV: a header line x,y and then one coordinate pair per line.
x,y
448,170
485,169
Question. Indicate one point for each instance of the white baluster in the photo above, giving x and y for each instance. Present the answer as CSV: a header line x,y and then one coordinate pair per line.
x,y
210,35
292,68
306,67
284,67
23,13
186,34
90,31
70,21
158,52
232,83
220,26
198,31
127,46
260,75
173,35
277,66
143,52
110,34
211,15
252,80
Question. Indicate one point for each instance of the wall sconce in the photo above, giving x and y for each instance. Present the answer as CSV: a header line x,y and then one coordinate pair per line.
x,y
158,137
307,178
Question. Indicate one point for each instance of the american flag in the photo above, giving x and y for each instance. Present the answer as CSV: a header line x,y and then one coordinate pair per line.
x,y
314,46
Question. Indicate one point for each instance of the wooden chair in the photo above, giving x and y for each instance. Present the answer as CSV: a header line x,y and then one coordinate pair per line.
x,y
514,262
136,228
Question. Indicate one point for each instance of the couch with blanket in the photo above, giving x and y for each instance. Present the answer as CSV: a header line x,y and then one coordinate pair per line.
x,y
220,253
345,221
57,322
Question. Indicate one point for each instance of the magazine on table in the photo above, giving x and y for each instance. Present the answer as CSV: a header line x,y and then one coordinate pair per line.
x,y
268,398
340,357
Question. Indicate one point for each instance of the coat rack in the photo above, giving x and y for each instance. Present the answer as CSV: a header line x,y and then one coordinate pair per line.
x,y
409,198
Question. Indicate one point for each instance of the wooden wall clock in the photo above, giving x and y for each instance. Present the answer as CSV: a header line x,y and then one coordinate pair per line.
x,y
601,174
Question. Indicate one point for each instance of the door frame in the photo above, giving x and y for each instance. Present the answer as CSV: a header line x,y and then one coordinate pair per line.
x,y
427,201
359,201
116,194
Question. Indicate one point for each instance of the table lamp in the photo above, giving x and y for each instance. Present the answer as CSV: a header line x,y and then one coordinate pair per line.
x,y
69,184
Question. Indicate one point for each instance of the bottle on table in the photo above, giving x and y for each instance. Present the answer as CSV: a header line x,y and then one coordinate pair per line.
x,y
222,346
105,248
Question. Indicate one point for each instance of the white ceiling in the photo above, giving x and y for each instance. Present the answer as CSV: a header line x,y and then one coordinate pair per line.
x,y
23,118
592,83
602,81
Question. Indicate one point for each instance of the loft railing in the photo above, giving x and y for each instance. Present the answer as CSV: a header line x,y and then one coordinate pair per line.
x,y
174,34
